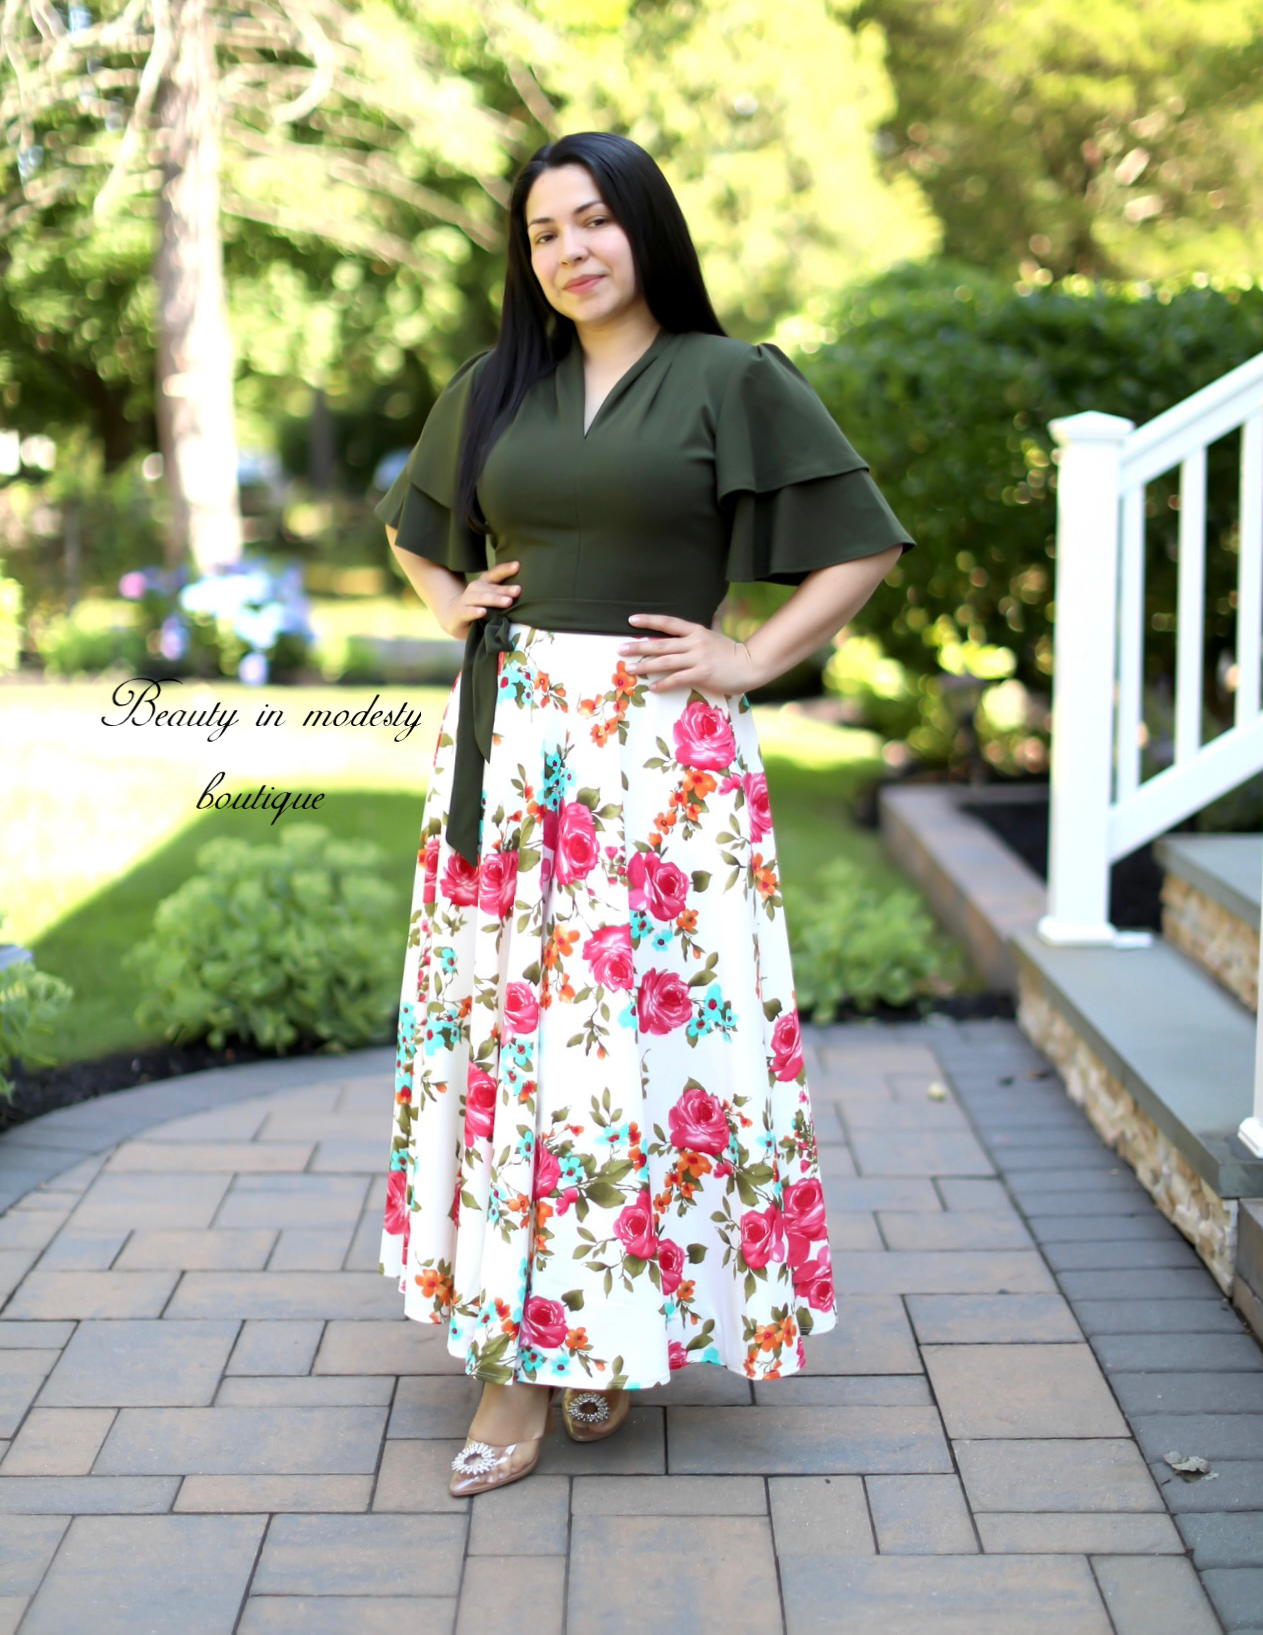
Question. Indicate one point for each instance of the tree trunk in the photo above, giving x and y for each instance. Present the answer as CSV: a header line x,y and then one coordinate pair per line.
x,y
196,432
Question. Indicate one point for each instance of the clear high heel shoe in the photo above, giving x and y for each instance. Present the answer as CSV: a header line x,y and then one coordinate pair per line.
x,y
591,1415
483,1465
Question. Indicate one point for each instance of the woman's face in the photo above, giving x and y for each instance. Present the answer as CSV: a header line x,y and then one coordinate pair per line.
x,y
573,236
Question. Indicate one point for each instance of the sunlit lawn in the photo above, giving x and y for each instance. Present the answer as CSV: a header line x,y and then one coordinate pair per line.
x,y
99,822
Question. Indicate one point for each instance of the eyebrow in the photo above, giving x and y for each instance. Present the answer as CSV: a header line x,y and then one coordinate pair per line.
x,y
577,211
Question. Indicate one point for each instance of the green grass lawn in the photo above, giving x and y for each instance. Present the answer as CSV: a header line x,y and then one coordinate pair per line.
x,y
103,817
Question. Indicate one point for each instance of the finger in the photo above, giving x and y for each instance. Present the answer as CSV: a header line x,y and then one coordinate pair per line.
x,y
661,621
676,678
502,570
656,649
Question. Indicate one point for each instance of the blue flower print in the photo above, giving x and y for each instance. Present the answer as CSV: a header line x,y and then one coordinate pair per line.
x,y
526,1145
530,1359
561,1365
572,1171
517,682
442,1029
627,1016
714,1012
520,1054
662,937
615,1134
558,778
446,958
641,924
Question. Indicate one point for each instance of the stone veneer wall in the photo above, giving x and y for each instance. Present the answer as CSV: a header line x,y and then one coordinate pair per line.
x,y
1208,1221
1213,936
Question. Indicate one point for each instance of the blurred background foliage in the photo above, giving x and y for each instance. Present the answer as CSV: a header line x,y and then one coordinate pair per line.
x,y
962,218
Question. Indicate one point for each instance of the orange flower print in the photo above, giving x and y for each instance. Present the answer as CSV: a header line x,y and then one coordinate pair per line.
x,y
434,1286
764,876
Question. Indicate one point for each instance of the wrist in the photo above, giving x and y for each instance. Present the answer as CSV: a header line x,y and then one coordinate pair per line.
x,y
757,677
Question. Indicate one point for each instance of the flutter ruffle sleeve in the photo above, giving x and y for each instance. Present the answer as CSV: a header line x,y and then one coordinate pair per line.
x,y
421,502
797,495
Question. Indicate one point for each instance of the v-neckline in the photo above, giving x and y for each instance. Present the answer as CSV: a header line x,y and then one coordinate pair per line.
x,y
577,387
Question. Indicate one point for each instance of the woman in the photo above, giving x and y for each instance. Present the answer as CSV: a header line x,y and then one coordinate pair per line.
x,y
603,1164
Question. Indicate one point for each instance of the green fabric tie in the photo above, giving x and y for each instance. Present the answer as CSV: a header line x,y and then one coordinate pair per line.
x,y
490,636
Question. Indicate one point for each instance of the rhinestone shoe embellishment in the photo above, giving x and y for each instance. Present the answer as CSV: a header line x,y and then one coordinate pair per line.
x,y
475,1459
590,1408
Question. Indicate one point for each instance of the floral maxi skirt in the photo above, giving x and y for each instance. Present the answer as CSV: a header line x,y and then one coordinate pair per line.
x,y
603,1164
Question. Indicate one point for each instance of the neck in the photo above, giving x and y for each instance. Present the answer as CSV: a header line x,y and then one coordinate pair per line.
x,y
618,340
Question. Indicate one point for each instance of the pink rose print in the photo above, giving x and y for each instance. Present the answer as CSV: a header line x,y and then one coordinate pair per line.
x,y
428,891
676,1355
547,1172
609,952
577,848
396,1201
814,1282
521,1009
804,1208
634,1227
670,1264
566,1198
499,884
762,1236
698,1122
656,885
757,804
543,1323
703,737
480,1106
460,881
787,1046
663,1002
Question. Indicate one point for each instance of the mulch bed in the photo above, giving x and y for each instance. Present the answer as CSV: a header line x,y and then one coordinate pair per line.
x,y
45,1089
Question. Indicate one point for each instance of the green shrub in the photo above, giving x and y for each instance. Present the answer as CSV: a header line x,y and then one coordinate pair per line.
x,y
118,518
73,646
30,1002
946,378
850,939
283,943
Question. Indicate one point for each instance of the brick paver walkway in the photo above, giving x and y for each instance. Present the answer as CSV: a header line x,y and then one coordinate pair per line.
x,y
214,1418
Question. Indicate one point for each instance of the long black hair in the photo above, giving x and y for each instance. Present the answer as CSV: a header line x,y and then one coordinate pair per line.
x,y
534,336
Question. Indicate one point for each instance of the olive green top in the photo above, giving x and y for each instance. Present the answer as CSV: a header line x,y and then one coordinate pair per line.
x,y
711,461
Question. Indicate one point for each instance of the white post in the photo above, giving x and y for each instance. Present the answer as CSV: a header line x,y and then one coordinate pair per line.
x,y
1250,1129
1084,650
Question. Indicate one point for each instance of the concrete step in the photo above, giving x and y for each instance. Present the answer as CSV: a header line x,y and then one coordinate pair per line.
x,y
1180,1046
1210,905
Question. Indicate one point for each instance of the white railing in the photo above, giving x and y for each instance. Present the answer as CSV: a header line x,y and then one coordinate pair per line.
x,y
1101,809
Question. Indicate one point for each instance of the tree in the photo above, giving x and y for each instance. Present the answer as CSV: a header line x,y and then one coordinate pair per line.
x,y
334,113
1120,139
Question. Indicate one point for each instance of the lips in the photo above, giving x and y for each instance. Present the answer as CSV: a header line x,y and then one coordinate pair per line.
x,y
585,283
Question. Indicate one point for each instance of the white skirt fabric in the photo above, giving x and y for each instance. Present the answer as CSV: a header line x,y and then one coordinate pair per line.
x,y
603,1164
